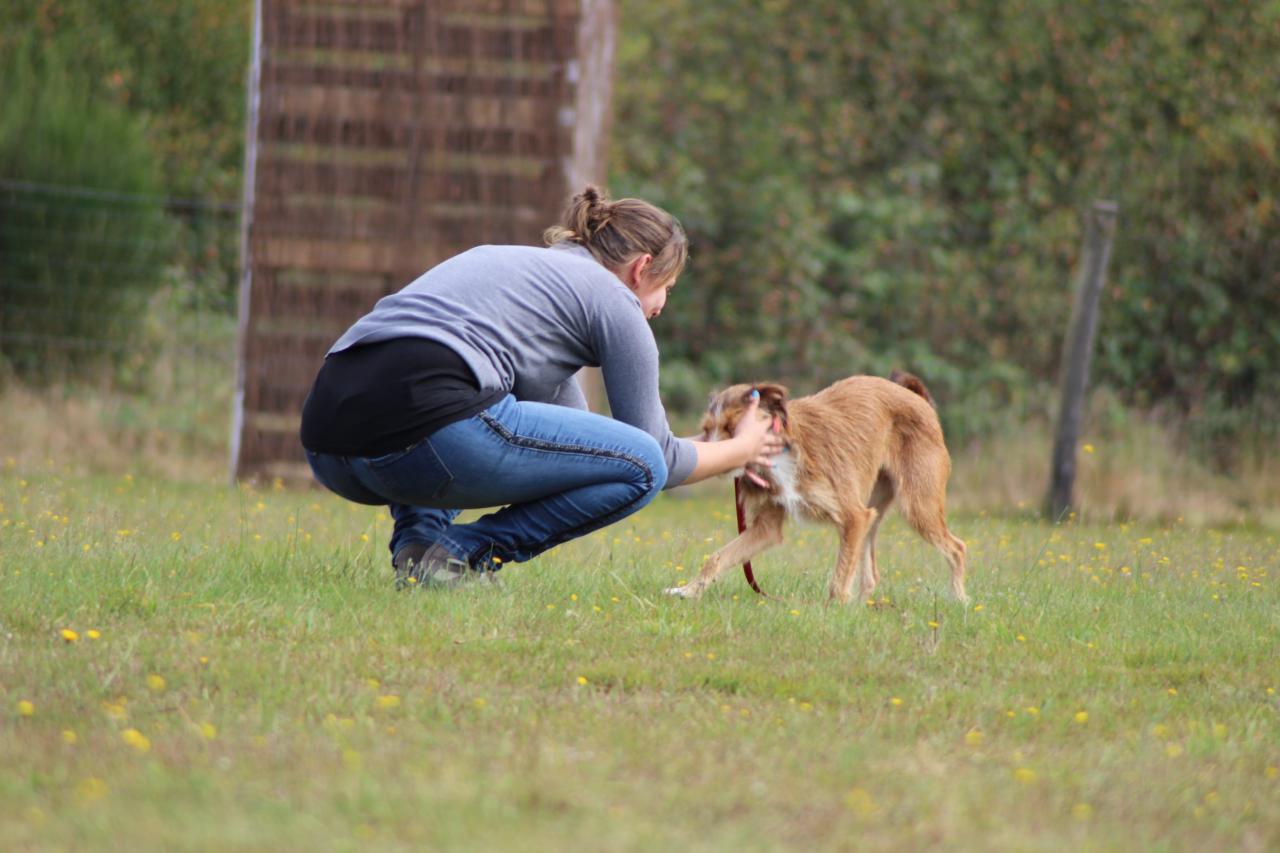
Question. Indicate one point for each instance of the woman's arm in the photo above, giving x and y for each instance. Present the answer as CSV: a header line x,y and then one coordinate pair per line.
x,y
753,442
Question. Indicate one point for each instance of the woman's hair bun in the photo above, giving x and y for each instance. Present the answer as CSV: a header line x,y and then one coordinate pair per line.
x,y
593,211
616,231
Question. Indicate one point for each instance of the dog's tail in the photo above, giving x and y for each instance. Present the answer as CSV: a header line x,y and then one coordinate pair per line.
x,y
912,383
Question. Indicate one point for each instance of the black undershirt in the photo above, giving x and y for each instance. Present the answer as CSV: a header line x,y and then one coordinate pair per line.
x,y
379,398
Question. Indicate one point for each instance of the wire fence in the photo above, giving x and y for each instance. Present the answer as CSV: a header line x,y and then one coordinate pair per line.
x,y
125,301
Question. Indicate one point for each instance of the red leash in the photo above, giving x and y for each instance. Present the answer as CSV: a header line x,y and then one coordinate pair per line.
x,y
742,526
742,521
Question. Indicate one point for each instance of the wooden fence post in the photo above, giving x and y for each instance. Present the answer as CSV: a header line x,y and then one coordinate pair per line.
x,y
1077,349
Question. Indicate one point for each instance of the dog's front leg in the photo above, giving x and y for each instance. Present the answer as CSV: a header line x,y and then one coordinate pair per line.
x,y
858,523
765,532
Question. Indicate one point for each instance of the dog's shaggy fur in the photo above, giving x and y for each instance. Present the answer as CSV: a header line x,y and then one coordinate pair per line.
x,y
853,448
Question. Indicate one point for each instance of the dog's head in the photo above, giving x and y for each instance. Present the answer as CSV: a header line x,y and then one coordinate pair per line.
x,y
727,407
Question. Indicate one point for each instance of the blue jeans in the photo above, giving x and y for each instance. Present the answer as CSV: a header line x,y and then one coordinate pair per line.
x,y
559,473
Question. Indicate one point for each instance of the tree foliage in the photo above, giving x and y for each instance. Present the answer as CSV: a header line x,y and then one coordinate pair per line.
x,y
178,67
875,183
110,109
76,266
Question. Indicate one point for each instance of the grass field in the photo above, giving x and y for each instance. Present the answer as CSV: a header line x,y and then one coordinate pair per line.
x,y
197,667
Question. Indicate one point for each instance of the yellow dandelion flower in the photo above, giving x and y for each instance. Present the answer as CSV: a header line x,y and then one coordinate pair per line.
x,y
711,655
573,597
1082,716
26,708
582,679
896,702
977,608
175,536
480,703
155,682
1088,448
1032,710
795,612
93,634
69,737
1173,691
861,803
208,731
933,624
137,740
389,700
1021,638
92,788
69,635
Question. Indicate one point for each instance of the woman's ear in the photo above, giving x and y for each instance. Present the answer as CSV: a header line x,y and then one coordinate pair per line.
x,y
637,269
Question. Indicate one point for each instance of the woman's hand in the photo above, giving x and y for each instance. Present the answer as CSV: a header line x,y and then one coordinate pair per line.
x,y
753,442
756,436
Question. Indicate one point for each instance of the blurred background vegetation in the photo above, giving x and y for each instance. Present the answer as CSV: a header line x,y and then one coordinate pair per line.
x,y
867,185
875,184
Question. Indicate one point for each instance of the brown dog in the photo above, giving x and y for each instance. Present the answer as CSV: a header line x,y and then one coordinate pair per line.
x,y
853,448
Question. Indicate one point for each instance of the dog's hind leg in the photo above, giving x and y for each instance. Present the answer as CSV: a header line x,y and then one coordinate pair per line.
x,y
765,532
924,507
868,577
858,521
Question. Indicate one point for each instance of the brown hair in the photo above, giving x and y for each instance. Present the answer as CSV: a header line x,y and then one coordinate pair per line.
x,y
615,232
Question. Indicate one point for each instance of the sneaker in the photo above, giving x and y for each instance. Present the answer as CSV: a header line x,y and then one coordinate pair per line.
x,y
420,564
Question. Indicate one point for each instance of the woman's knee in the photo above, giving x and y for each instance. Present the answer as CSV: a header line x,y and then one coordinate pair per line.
x,y
653,464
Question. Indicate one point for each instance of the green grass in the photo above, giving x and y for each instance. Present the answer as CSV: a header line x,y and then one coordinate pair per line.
x,y
1110,687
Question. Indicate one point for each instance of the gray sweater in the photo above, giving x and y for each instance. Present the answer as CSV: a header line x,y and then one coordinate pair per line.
x,y
524,320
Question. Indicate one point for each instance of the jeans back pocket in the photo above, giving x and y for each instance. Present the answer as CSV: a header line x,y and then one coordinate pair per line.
x,y
413,476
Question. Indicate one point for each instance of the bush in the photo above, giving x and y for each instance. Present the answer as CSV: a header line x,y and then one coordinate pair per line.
x,y
75,267
875,183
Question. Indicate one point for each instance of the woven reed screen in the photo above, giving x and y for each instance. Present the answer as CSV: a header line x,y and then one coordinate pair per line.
x,y
385,136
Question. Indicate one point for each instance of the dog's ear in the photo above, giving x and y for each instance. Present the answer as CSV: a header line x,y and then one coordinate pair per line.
x,y
773,398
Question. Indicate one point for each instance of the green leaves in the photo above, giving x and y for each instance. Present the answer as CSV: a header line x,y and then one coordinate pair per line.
x,y
870,180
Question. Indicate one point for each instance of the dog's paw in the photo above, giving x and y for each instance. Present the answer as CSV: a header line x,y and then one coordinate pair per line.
x,y
682,591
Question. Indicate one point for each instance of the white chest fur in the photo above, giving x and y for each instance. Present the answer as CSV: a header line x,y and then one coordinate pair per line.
x,y
783,474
